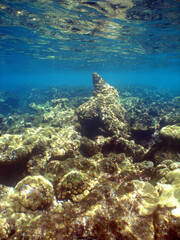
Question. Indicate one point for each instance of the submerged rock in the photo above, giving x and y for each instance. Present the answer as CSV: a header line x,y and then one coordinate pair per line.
x,y
102,114
171,134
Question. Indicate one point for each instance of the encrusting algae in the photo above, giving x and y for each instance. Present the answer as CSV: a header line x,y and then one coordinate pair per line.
x,y
82,170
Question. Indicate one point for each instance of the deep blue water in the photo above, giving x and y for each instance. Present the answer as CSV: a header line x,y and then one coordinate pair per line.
x,y
54,43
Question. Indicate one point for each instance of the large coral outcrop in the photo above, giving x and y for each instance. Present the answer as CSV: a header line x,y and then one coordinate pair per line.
x,y
102,114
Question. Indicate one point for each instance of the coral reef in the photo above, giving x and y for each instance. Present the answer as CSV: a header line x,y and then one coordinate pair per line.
x,y
81,167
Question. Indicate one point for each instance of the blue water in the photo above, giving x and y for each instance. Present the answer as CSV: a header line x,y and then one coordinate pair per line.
x,y
57,43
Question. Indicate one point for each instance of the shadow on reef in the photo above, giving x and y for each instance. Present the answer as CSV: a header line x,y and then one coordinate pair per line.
x,y
10,175
105,166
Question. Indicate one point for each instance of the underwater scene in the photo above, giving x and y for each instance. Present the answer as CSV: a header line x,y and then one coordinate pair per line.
x,y
90,120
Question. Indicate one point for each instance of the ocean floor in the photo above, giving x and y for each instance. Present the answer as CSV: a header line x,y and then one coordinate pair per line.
x,y
99,163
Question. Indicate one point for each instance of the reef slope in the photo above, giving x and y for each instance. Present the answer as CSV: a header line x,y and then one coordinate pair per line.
x,y
90,168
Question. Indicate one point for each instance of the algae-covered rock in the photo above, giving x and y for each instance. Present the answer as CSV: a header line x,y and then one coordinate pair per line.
x,y
102,114
33,193
16,147
88,147
168,147
5,228
142,124
62,102
171,134
120,145
164,168
11,148
64,144
167,152
40,108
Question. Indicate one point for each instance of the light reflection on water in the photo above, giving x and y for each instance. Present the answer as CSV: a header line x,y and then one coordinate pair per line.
x,y
111,35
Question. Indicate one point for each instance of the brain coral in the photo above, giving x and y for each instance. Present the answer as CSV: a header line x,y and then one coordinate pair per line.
x,y
34,192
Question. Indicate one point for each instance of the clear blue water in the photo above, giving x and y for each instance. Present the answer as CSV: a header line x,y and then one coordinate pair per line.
x,y
61,42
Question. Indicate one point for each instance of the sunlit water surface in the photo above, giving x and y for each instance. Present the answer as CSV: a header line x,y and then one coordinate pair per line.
x,y
61,42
